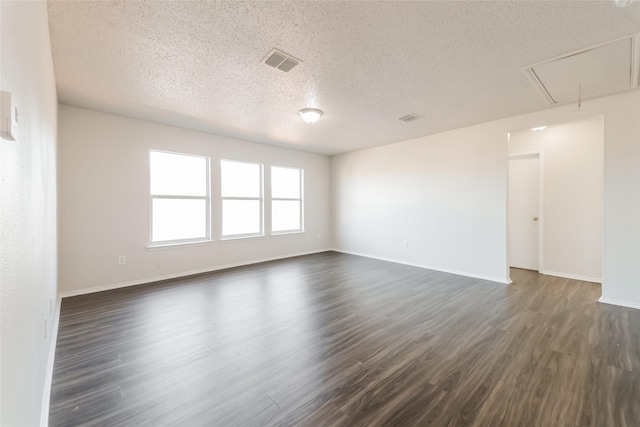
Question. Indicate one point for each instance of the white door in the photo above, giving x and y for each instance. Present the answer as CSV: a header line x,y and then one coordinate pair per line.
x,y
524,191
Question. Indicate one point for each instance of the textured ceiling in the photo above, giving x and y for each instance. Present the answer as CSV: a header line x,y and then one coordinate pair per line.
x,y
365,64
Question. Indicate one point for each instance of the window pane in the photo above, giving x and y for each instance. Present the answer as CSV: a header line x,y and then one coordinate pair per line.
x,y
176,219
178,174
285,215
240,179
240,217
285,183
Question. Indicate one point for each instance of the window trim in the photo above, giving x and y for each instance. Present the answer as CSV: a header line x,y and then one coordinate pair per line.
x,y
207,198
260,199
300,199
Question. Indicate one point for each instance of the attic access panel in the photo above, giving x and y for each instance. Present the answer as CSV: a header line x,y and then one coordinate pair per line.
x,y
601,70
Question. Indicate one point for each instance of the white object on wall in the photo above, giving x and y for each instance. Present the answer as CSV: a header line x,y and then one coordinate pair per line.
x,y
8,117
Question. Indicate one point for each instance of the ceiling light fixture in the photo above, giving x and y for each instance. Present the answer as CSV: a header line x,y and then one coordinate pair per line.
x,y
310,115
538,128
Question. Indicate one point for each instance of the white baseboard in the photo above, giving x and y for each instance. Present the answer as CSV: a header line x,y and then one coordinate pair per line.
x,y
620,302
72,293
504,280
572,276
48,375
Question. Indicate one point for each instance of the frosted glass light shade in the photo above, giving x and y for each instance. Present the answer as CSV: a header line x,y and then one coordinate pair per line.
x,y
310,115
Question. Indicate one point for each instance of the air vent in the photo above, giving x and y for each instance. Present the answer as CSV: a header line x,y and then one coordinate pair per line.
x,y
280,60
275,59
409,118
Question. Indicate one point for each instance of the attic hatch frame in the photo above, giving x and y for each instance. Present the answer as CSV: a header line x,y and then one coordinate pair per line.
x,y
634,71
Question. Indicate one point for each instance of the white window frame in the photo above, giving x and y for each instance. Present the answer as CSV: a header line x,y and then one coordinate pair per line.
x,y
300,199
260,199
206,198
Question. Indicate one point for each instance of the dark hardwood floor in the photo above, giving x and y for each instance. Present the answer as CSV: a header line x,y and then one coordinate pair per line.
x,y
339,340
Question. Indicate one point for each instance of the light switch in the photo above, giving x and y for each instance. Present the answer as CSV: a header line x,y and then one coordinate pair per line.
x,y
8,117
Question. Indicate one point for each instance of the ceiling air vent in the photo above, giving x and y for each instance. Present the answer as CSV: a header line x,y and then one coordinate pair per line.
x,y
280,60
409,118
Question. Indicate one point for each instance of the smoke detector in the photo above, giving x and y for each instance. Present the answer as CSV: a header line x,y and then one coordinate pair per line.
x,y
281,60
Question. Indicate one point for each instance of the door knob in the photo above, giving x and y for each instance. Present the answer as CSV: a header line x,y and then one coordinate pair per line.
x,y
535,218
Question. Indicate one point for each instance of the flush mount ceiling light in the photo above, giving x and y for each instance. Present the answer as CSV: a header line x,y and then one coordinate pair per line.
x,y
310,115
538,128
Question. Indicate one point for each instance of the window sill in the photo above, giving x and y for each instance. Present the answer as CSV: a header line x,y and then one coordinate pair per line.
x,y
287,233
240,238
158,246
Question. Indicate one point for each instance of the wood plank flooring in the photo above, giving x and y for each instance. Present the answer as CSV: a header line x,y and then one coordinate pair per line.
x,y
339,340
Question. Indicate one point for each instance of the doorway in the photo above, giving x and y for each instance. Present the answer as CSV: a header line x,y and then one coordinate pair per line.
x,y
525,199
556,227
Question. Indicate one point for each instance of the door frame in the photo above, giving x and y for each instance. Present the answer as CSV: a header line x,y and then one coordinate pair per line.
x,y
540,155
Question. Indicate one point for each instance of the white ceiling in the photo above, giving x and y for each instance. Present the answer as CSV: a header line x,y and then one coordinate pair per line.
x,y
365,64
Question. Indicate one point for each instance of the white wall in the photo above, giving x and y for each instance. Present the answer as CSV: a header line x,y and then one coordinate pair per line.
x,y
104,201
572,206
28,254
446,195
443,195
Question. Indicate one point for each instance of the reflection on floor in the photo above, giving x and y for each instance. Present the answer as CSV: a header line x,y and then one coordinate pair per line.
x,y
339,340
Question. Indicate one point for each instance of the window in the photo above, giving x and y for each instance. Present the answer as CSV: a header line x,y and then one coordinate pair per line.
x,y
179,198
241,199
286,200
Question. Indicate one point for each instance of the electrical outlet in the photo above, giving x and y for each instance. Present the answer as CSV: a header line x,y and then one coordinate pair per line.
x,y
318,236
405,244
122,260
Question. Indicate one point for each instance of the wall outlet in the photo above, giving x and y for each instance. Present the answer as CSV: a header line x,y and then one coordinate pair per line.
x,y
122,260
318,236
405,244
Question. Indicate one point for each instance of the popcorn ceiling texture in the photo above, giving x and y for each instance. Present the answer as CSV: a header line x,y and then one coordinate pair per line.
x,y
198,64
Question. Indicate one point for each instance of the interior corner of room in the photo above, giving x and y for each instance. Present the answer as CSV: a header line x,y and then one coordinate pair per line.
x,y
456,193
